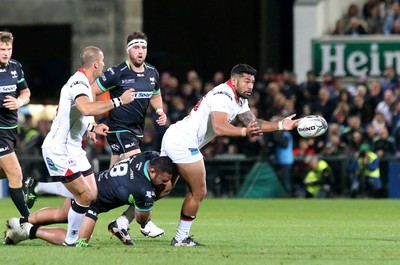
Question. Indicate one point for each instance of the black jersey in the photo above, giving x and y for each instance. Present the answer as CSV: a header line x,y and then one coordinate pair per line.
x,y
127,182
12,81
117,80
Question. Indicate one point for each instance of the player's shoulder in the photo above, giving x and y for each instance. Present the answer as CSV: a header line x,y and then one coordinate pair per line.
x,y
150,69
78,79
224,90
15,64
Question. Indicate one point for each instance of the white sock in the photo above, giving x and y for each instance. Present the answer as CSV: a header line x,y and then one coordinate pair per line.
x,y
123,222
76,214
183,230
56,188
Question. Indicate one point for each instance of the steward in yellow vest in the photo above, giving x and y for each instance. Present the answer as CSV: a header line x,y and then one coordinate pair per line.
x,y
319,179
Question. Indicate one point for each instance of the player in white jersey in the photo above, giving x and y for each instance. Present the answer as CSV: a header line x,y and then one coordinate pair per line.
x,y
62,148
211,117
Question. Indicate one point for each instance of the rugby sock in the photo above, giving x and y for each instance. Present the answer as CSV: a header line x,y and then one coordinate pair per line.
x,y
56,188
184,227
32,232
122,222
75,217
17,196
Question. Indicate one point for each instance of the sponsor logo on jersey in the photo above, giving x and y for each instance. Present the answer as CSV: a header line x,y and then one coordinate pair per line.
x,y
223,93
152,80
129,145
7,89
111,71
103,77
3,149
128,81
140,75
139,165
143,95
72,162
150,194
115,147
50,164
3,70
14,74
92,213
131,199
194,151
79,83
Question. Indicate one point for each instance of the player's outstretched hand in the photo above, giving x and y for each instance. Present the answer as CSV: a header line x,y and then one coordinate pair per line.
x,y
128,96
101,129
289,124
253,129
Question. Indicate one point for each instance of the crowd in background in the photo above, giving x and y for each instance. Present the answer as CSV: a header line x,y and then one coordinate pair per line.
x,y
363,113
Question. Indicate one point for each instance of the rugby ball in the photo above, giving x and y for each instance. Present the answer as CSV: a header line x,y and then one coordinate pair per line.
x,y
312,126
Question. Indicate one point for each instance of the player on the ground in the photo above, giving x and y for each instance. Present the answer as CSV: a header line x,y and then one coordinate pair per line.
x,y
134,181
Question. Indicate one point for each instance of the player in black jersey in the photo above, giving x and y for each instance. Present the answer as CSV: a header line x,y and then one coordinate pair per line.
x,y
133,181
14,93
127,123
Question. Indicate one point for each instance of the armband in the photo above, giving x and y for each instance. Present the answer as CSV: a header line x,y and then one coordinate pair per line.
x,y
244,131
90,127
116,102
159,110
280,125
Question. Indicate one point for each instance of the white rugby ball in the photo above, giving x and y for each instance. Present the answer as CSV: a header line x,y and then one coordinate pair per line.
x,y
312,126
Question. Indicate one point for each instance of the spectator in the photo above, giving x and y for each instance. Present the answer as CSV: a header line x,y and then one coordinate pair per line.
x,y
319,178
361,109
384,144
365,174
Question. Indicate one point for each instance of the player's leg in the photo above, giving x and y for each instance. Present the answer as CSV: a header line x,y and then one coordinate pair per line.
x,y
83,191
194,175
50,215
10,165
28,231
35,188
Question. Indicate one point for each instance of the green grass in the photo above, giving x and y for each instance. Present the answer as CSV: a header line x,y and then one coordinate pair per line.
x,y
236,232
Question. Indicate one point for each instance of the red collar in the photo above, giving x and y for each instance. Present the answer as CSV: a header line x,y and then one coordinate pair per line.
x,y
229,83
82,71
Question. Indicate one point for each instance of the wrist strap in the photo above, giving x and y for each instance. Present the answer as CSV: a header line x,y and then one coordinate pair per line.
x,y
90,127
244,131
159,110
116,102
280,125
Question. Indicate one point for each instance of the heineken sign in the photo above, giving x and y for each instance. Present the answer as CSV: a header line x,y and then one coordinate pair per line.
x,y
356,56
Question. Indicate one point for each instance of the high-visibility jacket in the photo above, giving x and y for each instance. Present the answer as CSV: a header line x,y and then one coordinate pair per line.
x,y
372,168
317,175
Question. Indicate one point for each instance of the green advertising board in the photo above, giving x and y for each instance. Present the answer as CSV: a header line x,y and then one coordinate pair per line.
x,y
356,56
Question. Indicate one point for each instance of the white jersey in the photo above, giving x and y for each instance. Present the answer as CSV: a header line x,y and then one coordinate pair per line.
x,y
198,123
70,125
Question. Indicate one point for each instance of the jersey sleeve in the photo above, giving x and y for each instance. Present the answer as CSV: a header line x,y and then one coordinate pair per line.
x,y
21,82
145,201
157,89
79,88
245,107
221,101
108,80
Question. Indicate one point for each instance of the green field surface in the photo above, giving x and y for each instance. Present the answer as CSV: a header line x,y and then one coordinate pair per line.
x,y
235,231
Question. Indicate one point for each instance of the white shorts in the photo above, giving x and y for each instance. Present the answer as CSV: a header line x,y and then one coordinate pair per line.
x,y
60,163
181,148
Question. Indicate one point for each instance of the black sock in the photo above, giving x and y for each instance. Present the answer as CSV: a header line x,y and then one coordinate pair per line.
x,y
32,232
17,196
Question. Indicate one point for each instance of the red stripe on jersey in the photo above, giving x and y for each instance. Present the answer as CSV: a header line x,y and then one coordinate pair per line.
x,y
229,83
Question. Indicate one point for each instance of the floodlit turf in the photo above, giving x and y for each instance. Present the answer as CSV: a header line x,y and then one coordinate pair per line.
x,y
236,232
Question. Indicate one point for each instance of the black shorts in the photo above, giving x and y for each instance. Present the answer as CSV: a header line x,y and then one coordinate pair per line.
x,y
8,141
123,142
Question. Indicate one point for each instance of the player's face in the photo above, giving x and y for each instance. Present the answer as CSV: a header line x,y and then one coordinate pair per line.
x,y
161,178
243,85
100,66
5,52
137,54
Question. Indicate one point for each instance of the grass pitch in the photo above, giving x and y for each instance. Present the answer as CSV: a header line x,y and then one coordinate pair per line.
x,y
235,231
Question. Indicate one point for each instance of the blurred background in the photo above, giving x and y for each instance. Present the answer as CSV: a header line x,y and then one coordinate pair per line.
x,y
336,58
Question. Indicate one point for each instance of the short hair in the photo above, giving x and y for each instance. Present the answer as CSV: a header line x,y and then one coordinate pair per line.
x,y
163,164
136,35
6,37
90,55
240,69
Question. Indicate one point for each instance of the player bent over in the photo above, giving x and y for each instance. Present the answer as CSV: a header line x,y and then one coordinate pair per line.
x,y
115,188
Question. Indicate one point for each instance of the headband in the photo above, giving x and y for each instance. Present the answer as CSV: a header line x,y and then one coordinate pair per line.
x,y
135,42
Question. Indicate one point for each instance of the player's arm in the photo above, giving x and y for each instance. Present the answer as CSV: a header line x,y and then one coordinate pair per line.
x,y
156,103
89,108
86,228
13,103
96,90
222,127
268,126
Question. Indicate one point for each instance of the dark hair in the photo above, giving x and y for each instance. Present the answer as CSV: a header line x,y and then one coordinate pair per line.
x,y
240,69
136,35
163,164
